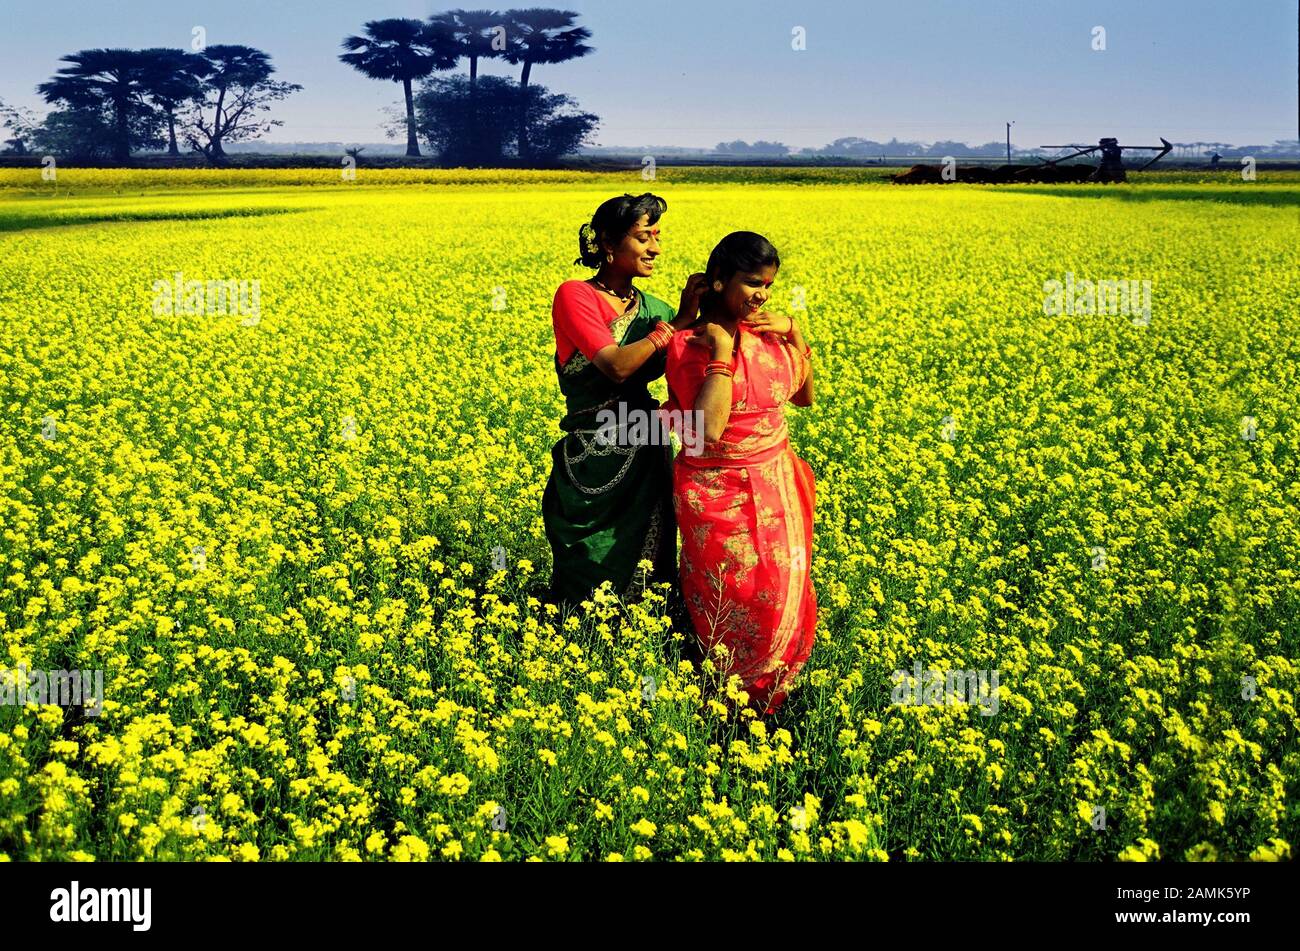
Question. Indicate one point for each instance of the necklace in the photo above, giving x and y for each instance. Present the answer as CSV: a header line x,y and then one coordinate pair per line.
x,y
625,298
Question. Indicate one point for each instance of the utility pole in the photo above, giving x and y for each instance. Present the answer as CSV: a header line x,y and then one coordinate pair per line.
x,y
1009,125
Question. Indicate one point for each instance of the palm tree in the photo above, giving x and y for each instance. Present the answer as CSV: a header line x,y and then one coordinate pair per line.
x,y
100,76
472,33
171,78
401,50
541,35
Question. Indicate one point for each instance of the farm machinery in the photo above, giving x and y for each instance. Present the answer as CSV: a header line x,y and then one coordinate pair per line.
x,y
1110,167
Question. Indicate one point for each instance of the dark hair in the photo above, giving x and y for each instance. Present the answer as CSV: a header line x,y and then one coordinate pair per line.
x,y
738,251
612,220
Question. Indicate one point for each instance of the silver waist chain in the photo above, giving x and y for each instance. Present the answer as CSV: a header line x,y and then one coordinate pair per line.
x,y
594,448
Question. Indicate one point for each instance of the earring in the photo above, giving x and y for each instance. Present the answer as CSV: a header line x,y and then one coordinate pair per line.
x,y
717,285
609,258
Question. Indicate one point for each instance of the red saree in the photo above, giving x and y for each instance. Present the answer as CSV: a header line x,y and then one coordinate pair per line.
x,y
745,509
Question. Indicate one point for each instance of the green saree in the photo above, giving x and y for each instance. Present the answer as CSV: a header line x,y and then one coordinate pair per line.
x,y
607,507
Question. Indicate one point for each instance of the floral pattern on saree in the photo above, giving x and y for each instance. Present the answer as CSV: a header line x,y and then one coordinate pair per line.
x,y
745,509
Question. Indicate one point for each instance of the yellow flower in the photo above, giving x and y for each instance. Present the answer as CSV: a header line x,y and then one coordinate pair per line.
x,y
644,827
226,545
457,784
1275,850
411,848
858,834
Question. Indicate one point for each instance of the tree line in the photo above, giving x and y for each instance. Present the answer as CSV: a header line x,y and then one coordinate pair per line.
x,y
852,147
475,119
113,102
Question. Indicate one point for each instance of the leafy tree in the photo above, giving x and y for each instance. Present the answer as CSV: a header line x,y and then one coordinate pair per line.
x,y
172,77
465,130
946,147
237,88
89,133
554,126
21,121
479,129
761,147
401,50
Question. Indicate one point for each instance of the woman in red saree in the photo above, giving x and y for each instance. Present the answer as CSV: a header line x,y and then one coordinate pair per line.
x,y
744,502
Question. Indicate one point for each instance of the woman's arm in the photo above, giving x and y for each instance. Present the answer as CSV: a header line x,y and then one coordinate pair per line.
x,y
713,401
619,363
804,395
689,308
771,322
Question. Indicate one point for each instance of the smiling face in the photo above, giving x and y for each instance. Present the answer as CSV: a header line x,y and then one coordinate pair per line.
x,y
745,293
635,254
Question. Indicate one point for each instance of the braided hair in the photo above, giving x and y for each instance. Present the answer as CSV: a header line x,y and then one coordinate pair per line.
x,y
612,220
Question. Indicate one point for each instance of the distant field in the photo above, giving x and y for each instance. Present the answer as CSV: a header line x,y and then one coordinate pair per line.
x,y
274,531
27,181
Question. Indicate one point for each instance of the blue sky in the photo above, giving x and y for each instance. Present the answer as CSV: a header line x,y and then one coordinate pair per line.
x,y
693,73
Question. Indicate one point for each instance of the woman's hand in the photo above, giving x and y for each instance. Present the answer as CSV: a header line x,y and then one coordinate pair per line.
x,y
767,321
714,337
690,305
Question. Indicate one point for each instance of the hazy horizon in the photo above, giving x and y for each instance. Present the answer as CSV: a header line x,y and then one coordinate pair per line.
x,y
687,76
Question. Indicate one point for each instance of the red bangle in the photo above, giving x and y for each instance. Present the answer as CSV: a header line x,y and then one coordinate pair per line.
x,y
660,335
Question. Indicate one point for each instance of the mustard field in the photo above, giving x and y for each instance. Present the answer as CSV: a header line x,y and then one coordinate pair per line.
x,y
272,453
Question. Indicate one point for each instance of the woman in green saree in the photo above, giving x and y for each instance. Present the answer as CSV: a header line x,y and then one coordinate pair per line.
x,y
608,502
